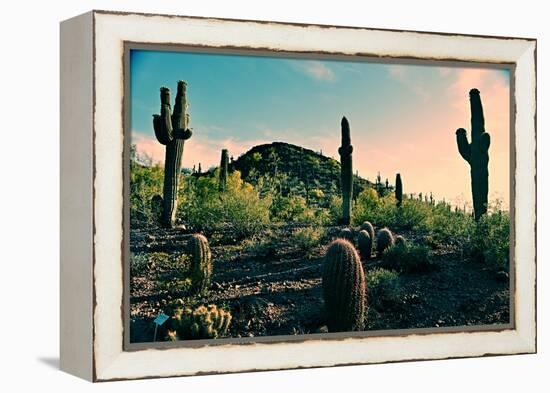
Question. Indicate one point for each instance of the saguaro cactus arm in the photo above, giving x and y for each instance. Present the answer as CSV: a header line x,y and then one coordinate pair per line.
x,y
464,147
180,117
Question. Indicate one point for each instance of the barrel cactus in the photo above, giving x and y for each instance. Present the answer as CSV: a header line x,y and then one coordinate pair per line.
x,y
398,189
201,323
201,263
364,244
344,288
384,240
367,226
171,130
346,172
224,163
476,153
346,234
400,241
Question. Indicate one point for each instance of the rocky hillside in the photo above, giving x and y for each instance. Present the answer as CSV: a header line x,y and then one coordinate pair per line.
x,y
298,167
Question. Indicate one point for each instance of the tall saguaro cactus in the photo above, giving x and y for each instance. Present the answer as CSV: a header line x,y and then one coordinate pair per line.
x,y
346,172
171,130
476,153
224,163
398,189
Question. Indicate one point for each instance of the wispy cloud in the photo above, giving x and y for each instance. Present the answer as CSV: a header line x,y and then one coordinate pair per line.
x,y
401,73
315,69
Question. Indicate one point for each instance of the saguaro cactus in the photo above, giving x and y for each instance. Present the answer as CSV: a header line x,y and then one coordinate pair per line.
x,y
398,189
171,130
476,153
344,287
346,172
223,170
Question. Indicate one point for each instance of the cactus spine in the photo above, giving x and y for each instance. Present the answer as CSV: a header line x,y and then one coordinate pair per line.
x,y
344,287
201,263
346,171
223,170
171,130
398,189
364,244
384,240
476,153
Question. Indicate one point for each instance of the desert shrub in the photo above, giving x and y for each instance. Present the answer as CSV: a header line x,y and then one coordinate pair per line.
x,y
239,206
175,284
290,209
335,209
444,226
411,215
138,263
202,322
308,239
408,258
490,242
145,183
384,287
260,244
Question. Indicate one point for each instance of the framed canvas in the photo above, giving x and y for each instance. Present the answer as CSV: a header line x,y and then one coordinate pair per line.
x,y
247,195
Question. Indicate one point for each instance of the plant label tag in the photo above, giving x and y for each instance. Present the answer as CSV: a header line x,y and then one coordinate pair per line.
x,y
161,319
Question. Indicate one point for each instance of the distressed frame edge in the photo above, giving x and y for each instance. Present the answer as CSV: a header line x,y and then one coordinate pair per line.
x,y
526,340
76,207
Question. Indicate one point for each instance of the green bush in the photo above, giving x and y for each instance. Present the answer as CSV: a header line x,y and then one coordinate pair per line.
x,y
308,239
383,287
145,183
408,258
490,242
239,208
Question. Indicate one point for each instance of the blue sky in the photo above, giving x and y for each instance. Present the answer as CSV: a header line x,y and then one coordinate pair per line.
x,y
402,117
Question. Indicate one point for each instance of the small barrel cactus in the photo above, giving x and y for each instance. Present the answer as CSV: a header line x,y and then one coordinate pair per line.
x,y
364,244
203,322
344,288
367,226
384,240
201,263
400,241
346,234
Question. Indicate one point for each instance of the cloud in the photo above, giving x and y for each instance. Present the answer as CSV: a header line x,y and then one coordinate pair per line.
x,y
315,70
401,74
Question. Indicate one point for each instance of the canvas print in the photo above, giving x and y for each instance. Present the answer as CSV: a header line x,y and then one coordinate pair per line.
x,y
279,196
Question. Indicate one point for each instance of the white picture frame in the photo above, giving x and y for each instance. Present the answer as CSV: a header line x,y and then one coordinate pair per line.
x,y
92,195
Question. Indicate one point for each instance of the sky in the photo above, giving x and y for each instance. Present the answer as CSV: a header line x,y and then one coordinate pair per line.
x,y
402,117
